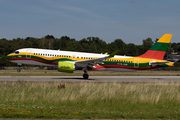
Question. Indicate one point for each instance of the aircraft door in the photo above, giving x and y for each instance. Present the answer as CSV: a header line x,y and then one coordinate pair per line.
x,y
136,62
28,53
73,57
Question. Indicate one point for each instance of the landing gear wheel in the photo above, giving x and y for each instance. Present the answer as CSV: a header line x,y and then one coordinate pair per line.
x,y
85,76
19,64
18,70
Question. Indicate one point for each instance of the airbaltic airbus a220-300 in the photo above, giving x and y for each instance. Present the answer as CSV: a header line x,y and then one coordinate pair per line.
x,y
68,61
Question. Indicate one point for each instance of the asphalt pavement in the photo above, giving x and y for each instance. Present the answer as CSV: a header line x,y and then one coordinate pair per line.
x,y
122,79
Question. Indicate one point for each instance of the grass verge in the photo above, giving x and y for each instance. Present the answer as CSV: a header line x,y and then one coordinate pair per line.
x,y
90,100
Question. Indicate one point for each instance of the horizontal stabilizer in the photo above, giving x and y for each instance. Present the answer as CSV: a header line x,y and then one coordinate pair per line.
x,y
153,64
157,63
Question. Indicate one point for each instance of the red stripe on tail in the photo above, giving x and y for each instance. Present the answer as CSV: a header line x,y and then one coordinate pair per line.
x,y
153,54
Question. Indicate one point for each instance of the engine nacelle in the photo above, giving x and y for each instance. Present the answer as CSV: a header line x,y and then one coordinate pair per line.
x,y
66,67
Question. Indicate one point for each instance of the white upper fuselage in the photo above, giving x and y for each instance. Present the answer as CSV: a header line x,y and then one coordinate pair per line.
x,y
52,53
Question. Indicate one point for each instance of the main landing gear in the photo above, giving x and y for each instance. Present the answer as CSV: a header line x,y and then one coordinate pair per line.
x,y
85,75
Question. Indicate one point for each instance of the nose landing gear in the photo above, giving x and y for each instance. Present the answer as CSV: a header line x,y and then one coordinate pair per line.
x,y
19,70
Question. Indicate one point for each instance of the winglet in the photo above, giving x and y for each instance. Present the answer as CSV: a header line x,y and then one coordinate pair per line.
x,y
112,54
106,53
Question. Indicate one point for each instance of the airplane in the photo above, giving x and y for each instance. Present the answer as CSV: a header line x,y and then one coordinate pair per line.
x,y
69,61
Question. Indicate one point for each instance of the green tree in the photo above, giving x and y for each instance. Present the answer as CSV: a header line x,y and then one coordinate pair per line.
x,y
147,44
64,43
96,45
119,45
169,49
175,47
49,37
85,45
132,49
4,47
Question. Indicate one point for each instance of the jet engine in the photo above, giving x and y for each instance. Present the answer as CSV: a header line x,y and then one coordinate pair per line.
x,y
68,67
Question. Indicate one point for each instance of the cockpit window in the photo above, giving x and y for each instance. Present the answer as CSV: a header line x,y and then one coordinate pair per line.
x,y
16,52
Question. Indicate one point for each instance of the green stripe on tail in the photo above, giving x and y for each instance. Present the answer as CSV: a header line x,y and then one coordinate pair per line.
x,y
159,46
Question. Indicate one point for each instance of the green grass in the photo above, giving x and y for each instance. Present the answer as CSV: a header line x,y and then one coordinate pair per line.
x,y
90,100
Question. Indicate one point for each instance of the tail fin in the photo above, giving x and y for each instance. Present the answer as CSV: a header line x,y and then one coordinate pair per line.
x,y
158,50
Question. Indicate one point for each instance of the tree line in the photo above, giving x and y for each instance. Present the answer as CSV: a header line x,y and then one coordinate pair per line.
x,y
89,44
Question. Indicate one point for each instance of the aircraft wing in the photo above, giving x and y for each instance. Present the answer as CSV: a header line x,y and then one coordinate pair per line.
x,y
92,62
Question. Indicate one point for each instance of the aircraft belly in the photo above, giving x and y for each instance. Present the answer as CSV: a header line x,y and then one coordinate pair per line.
x,y
120,69
30,62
